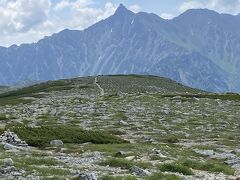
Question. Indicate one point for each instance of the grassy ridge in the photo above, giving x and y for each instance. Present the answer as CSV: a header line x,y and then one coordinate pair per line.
x,y
111,84
15,96
43,87
142,83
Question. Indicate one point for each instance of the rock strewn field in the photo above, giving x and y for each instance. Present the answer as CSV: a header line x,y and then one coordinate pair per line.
x,y
120,127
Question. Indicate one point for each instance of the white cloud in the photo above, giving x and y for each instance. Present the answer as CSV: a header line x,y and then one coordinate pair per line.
x,y
21,15
190,5
19,19
221,6
24,21
109,10
135,8
167,16
61,5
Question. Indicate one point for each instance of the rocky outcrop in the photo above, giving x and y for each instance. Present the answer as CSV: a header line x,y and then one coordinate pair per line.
x,y
87,176
56,143
11,138
139,171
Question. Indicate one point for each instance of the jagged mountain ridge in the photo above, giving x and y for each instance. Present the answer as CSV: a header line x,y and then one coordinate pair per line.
x,y
129,43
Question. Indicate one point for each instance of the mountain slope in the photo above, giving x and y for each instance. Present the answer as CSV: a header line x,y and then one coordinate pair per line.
x,y
214,35
127,43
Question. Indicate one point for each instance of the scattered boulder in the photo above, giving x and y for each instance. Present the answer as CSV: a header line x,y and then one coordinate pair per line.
x,y
139,171
195,99
120,153
158,152
231,158
56,143
237,170
123,123
7,170
53,112
228,156
147,139
8,162
130,158
165,111
177,98
87,176
10,147
204,152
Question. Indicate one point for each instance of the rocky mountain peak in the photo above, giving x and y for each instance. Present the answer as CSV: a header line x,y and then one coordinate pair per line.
x,y
122,10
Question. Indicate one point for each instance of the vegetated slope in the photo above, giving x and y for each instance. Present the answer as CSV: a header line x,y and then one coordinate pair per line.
x,y
143,83
111,84
4,89
213,35
196,49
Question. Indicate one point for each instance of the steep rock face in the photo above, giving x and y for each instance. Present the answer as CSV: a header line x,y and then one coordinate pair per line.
x,y
190,49
191,68
213,35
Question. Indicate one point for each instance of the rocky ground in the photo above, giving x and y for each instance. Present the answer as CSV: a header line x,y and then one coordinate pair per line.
x,y
170,134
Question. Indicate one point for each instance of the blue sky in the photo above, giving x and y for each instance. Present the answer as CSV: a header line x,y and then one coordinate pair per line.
x,y
155,6
27,21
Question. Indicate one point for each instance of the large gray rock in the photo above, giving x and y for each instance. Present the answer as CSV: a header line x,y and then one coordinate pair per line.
x,y
123,123
139,171
56,143
8,162
204,152
87,176
120,153
53,112
8,169
165,111
10,147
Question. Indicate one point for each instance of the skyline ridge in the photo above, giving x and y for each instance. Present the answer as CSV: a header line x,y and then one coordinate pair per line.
x,y
121,7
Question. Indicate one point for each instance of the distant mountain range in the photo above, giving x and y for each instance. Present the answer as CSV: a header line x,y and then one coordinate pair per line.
x,y
200,48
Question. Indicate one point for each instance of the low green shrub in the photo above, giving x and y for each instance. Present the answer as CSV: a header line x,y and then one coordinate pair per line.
x,y
209,166
176,168
171,139
123,163
120,115
37,161
162,176
119,178
3,117
41,136
117,162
